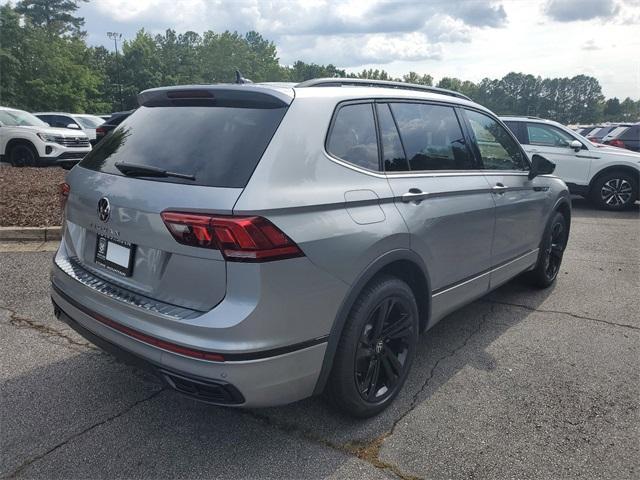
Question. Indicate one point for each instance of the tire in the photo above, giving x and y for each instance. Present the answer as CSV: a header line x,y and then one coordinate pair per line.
x,y
23,155
552,249
376,350
615,191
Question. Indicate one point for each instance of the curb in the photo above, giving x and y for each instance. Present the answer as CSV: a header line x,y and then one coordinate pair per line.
x,y
30,234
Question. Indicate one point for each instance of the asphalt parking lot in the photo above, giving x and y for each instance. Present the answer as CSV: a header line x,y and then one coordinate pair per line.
x,y
520,384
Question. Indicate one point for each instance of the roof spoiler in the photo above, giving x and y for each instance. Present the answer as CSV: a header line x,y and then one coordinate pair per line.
x,y
222,95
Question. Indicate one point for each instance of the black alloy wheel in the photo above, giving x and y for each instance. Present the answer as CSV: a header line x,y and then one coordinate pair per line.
x,y
384,348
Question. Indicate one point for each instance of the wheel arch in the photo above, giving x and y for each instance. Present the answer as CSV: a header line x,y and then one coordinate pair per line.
x,y
402,263
19,141
563,205
613,168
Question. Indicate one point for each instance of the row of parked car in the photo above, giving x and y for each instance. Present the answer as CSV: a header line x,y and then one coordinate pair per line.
x,y
51,138
591,160
621,135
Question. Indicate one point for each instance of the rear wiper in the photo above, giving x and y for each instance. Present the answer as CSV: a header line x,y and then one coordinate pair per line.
x,y
135,170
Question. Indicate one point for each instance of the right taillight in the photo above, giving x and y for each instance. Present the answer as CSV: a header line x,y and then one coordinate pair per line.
x,y
64,194
616,143
100,131
240,239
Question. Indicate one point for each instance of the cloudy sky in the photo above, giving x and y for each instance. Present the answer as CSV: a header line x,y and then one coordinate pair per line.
x,y
469,39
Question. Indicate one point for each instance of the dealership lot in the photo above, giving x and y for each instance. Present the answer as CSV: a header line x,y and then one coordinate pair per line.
x,y
522,384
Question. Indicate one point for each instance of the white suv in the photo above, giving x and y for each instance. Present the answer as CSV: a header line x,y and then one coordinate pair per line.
x,y
27,140
608,176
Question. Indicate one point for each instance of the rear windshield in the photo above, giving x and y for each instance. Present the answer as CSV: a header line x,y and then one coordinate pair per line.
x,y
220,146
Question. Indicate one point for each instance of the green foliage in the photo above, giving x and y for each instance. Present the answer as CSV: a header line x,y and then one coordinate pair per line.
x,y
45,64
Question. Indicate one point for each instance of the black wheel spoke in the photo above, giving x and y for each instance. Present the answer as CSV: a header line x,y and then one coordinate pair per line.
x,y
399,329
392,375
373,381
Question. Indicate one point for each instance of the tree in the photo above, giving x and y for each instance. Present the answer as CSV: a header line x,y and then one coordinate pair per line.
x,y
413,77
56,16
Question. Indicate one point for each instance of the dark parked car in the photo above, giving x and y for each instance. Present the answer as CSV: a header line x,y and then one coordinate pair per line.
x,y
114,120
625,136
598,134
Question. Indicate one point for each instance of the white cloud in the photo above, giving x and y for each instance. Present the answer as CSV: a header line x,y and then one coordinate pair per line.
x,y
470,39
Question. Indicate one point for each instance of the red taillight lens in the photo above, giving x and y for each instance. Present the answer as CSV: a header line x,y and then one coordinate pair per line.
x,y
100,131
616,143
64,194
240,239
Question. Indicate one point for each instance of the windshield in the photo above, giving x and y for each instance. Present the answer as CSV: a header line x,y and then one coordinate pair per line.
x,y
19,118
89,121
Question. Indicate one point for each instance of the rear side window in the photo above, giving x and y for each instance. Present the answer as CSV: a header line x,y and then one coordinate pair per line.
x,y
432,137
353,136
498,150
220,146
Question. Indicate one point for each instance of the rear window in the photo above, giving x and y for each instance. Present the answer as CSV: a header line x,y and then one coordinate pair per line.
x,y
220,146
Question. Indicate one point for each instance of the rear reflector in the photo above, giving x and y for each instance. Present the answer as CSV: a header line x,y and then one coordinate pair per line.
x,y
156,342
240,239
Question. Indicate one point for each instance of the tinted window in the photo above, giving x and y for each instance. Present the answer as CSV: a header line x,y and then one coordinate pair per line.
x,y
432,137
631,133
353,136
221,146
547,135
516,128
393,158
499,151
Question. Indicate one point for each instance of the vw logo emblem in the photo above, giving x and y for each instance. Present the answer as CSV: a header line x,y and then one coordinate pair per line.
x,y
104,209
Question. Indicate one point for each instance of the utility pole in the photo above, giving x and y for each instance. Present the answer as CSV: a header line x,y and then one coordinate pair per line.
x,y
115,36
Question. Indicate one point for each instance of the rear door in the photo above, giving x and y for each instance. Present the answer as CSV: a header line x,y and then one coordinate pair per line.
x,y
520,203
442,196
114,219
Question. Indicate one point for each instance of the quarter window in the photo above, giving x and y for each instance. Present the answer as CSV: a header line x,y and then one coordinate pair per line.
x,y
498,149
432,137
353,136
547,135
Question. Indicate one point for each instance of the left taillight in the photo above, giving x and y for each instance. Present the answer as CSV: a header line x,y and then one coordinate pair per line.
x,y
65,189
240,239
616,143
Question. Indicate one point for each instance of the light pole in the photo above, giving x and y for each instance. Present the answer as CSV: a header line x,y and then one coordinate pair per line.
x,y
115,36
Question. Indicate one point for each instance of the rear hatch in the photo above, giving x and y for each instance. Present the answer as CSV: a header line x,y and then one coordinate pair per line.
x,y
187,149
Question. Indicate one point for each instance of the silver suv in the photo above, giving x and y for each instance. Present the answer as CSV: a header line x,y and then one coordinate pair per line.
x,y
256,244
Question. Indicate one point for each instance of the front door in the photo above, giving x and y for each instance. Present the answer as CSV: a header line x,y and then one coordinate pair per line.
x,y
553,144
520,202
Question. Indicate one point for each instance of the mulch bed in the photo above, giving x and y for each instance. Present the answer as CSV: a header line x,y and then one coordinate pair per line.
x,y
29,197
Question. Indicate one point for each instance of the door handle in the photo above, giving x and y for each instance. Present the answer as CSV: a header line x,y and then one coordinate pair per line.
x,y
414,195
499,189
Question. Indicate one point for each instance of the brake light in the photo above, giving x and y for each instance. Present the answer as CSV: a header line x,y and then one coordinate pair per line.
x,y
101,131
616,142
240,239
64,191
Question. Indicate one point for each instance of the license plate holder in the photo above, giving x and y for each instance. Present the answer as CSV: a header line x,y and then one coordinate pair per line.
x,y
115,255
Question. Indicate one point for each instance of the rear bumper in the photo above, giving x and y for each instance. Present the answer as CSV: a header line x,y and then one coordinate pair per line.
x,y
262,382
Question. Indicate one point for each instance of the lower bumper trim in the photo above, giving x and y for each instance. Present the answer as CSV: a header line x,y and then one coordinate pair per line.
x,y
206,390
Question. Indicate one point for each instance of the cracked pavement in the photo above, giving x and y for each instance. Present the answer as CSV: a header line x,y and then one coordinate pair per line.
x,y
520,384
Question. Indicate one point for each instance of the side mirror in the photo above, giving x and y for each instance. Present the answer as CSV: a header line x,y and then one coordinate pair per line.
x,y
540,166
73,126
576,145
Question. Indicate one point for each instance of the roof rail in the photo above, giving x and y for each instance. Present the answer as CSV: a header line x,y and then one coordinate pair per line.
x,y
365,82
